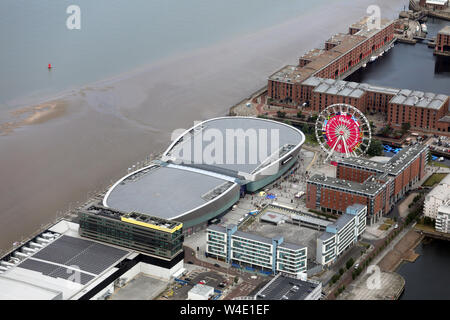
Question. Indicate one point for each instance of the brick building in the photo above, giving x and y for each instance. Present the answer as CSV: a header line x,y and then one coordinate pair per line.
x,y
377,185
424,110
343,54
316,80
443,42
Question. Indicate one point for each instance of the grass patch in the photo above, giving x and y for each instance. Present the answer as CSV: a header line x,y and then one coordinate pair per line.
x,y
311,139
438,164
389,221
435,178
384,227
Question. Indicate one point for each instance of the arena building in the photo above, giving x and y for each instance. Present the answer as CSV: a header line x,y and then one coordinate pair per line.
x,y
206,169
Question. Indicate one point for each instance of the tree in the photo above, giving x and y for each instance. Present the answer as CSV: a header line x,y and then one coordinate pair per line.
x,y
349,263
299,115
405,127
313,118
281,114
375,148
386,130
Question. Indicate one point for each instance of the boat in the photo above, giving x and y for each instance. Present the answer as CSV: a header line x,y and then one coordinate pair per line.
x,y
441,159
364,65
373,58
424,28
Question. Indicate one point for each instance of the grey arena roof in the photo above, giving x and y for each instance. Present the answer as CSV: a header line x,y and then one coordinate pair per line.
x,y
289,139
165,191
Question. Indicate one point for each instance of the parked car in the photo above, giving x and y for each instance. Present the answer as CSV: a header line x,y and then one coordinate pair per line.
x,y
356,266
216,265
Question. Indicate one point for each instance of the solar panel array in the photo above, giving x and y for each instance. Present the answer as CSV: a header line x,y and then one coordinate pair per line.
x,y
55,271
89,257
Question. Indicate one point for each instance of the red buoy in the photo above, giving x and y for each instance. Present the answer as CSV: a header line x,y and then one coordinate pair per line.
x,y
49,65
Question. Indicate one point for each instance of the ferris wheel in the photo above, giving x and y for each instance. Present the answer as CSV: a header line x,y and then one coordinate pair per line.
x,y
343,131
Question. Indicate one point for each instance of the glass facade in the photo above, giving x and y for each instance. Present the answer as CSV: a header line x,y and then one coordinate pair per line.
x,y
143,239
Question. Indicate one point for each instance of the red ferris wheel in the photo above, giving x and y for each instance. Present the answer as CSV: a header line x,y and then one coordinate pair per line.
x,y
342,130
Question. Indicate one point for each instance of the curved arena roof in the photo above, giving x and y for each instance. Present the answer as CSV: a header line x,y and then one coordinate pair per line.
x,y
268,140
193,192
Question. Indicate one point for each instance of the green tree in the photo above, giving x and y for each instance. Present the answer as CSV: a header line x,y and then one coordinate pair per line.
x,y
281,114
349,263
299,115
313,118
375,148
405,127
386,130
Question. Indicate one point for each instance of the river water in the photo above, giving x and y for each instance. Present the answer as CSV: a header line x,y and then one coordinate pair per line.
x,y
135,71
428,277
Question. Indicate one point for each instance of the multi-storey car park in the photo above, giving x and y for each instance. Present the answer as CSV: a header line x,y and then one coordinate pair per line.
x,y
185,186
317,80
377,185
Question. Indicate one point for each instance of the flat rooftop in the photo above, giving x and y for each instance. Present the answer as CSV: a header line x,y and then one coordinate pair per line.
x,y
285,288
445,30
166,191
237,155
321,58
162,224
342,221
395,164
368,188
59,266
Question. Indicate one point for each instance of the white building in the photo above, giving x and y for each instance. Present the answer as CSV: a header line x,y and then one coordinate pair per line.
x,y
342,234
200,292
253,251
443,218
437,197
